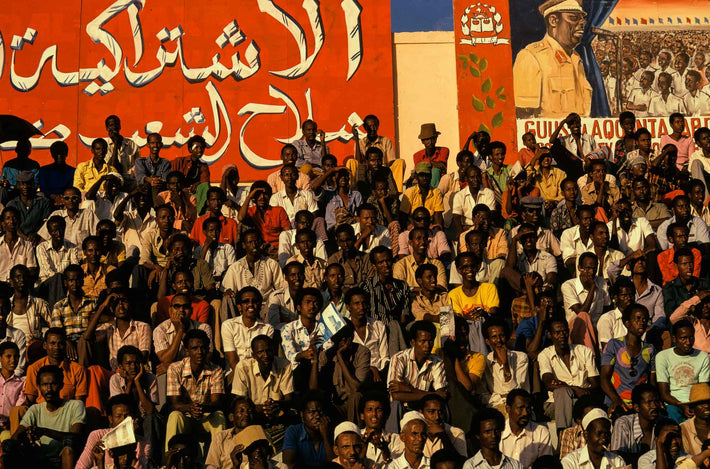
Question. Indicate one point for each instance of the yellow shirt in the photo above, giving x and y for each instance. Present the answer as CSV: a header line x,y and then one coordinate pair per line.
x,y
406,268
86,174
412,199
550,186
486,297
475,363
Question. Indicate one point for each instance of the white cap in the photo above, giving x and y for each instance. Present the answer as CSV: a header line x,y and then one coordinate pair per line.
x,y
345,427
593,415
409,416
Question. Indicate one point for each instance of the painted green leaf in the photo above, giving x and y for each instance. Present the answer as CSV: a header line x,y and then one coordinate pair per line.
x,y
484,128
483,64
490,102
474,71
486,86
478,104
462,57
473,57
500,90
464,64
497,120
502,97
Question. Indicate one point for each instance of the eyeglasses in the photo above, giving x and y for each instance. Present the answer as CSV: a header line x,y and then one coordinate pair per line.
x,y
71,197
421,218
633,361
181,306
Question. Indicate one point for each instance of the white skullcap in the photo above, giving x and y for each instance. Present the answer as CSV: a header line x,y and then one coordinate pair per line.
x,y
345,427
593,415
408,417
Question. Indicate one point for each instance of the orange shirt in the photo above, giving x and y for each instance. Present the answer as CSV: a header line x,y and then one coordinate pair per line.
x,y
228,235
441,154
200,309
76,382
274,221
668,268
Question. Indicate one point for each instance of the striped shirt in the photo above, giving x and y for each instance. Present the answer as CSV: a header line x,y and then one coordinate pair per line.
x,y
388,305
431,376
73,322
138,334
181,382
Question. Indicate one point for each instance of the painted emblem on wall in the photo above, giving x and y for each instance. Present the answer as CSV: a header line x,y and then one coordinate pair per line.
x,y
482,24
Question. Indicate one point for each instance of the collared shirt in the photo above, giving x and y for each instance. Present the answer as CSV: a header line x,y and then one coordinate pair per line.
x,y
588,142
376,341
438,245
307,154
549,185
664,107
616,355
698,232
73,322
354,201
464,202
221,447
288,249
295,338
303,200
181,381
697,105
94,284
86,459
53,261
357,270
702,337
218,259
146,168
194,171
227,235
332,370
432,445
651,297
381,142
610,326
274,180
32,216
135,227
543,263
703,213
635,238
379,237
638,96
184,212
267,278
164,335
685,146
17,337
281,309
249,382
102,206
546,241
149,383
431,376
532,442
479,462
271,224
76,381
573,293
127,155
236,337
691,442
648,460
449,186
668,267
387,305
412,200
675,293
22,253
138,335
86,174
500,181
579,459
497,388
297,439
12,394
627,436
561,218
374,455
581,361
405,269
154,249
572,438
441,155
588,193
37,317
314,271
605,260
78,228
654,211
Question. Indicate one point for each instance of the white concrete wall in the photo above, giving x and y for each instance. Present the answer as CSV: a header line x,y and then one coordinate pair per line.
x,y
425,90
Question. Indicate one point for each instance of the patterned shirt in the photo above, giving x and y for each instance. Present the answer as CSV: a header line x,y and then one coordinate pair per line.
x,y
53,261
628,372
73,322
561,218
572,439
182,383
37,317
164,334
138,334
386,304
295,338
430,377
357,270
315,272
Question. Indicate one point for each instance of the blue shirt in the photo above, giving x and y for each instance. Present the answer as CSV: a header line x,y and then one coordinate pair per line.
x,y
145,168
12,168
297,438
53,179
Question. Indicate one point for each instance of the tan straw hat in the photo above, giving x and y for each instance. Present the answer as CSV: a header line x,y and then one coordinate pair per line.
x,y
428,131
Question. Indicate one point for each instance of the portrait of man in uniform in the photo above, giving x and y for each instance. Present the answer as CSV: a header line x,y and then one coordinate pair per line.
x,y
548,74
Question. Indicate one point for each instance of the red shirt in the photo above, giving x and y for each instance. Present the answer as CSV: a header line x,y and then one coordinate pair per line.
x,y
200,310
228,235
668,268
441,154
274,221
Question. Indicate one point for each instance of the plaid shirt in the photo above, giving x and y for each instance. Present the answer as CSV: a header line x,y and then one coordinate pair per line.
x,y
73,322
182,383
138,334
519,310
572,439
660,185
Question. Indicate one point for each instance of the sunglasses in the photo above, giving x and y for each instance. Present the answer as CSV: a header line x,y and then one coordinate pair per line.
x,y
633,362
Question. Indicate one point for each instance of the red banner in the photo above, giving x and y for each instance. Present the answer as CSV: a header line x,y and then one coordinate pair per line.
x,y
483,59
245,75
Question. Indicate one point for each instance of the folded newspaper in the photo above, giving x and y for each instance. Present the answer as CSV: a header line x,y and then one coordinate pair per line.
x,y
121,435
332,322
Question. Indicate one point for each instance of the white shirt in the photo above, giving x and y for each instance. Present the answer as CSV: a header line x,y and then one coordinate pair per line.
x,y
697,105
22,253
581,362
16,336
648,459
53,261
380,237
638,96
288,248
479,462
376,341
135,229
78,228
267,277
610,326
660,107
295,338
219,260
236,337
573,292
697,227
303,200
610,256
494,376
579,459
464,202
587,141
532,442
635,238
102,207
543,263
401,463
572,245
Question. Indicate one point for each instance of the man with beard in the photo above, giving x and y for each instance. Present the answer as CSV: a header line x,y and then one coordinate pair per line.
x,y
669,446
633,434
487,429
414,436
597,433
523,439
542,66
349,447
697,429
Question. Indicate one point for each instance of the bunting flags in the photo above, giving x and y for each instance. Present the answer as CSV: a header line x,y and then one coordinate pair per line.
x,y
646,21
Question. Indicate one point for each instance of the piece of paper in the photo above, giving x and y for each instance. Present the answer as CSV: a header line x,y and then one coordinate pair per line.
x,y
331,320
447,328
120,435
355,120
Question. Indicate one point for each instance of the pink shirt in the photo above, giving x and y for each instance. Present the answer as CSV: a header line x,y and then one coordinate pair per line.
x,y
685,147
86,462
12,394
702,338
